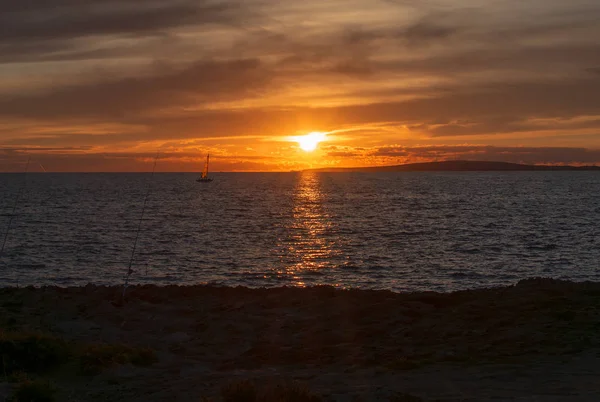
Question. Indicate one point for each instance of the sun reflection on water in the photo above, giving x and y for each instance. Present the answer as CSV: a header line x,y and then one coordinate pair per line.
x,y
311,241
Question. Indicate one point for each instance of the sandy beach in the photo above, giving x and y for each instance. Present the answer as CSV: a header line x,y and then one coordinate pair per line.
x,y
536,341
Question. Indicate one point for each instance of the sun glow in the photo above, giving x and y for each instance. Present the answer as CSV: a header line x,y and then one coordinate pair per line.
x,y
309,142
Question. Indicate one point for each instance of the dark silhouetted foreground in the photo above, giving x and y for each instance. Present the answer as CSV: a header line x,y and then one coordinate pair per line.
x,y
538,339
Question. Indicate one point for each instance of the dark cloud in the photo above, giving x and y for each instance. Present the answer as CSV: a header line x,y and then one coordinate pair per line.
x,y
505,124
549,99
341,152
432,27
61,30
391,151
530,59
506,62
44,6
199,83
357,68
9,150
78,19
30,51
429,30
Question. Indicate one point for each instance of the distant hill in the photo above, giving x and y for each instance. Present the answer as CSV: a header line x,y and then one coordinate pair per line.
x,y
457,166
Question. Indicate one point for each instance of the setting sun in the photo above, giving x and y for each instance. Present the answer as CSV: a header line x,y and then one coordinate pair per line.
x,y
310,141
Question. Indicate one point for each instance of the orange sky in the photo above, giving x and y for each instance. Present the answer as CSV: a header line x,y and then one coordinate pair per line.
x,y
103,86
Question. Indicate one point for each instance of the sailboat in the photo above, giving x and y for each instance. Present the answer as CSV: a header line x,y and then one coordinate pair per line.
x,y
204,176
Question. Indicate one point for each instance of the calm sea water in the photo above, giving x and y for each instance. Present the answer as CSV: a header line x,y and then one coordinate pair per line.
x,y
399,231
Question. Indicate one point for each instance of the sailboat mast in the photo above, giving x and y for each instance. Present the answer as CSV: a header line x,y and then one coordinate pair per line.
x,y
204,176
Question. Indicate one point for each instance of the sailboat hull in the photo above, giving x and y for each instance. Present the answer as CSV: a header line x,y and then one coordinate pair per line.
x,y
204,180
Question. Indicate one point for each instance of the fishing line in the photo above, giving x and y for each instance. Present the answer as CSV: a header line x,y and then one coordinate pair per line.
x,y
12,215
129,270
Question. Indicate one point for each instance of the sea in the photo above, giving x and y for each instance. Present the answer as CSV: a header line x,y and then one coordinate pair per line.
x,y
401,231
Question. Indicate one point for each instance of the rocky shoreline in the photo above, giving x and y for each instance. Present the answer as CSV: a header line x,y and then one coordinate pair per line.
x,y
537,340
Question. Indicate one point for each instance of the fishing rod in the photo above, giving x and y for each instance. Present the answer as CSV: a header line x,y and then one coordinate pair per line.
x,y
12,215
137,235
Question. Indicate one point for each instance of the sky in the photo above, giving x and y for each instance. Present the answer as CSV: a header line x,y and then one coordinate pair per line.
x,y
89,85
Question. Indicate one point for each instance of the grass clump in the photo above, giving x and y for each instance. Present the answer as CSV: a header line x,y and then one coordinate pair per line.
x,y
248,391
34,391
17,377
239,391
94,358
32,353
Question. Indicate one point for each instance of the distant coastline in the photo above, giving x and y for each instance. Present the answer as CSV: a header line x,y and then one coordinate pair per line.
x,y
459,166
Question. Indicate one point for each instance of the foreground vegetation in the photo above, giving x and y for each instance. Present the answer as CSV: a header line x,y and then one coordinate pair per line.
x,y
183,343
30,359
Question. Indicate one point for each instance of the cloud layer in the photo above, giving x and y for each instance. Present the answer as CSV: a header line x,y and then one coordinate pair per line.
x,y
97,79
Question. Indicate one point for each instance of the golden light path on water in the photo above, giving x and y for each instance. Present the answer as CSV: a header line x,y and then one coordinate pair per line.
x,y
310,245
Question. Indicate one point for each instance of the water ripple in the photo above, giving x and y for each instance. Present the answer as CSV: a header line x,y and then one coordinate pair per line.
x,y
399,231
